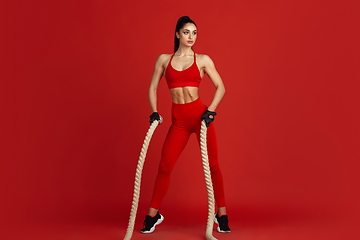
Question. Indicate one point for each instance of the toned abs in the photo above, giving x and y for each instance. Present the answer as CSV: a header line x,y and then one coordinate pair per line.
x,y
183,95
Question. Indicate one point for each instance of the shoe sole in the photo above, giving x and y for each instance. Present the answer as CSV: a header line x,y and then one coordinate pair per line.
x,y
218,228
157,223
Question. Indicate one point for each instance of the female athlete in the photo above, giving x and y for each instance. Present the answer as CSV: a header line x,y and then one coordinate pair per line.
x,y
183,71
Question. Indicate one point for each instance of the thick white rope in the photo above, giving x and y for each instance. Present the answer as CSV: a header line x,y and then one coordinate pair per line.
x,y
209,186
137,184
207,173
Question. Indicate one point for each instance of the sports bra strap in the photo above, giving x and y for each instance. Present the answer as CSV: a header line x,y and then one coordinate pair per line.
x,y
174,55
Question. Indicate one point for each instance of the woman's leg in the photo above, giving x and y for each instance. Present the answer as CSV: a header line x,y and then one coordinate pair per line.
x,y
174,144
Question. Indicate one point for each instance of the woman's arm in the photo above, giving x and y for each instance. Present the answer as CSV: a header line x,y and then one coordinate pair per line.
x,y
155,79
216,80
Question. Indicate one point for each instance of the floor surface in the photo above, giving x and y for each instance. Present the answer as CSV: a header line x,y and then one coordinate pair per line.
x,y
172,228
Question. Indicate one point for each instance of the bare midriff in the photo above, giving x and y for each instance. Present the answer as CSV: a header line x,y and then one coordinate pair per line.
x,y
182,95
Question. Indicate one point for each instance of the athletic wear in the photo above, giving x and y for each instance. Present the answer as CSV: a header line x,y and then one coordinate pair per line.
x,y
186,120
189,77
206,117
154,116
223,223
150,222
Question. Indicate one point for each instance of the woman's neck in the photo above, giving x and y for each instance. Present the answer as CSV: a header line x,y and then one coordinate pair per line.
x,y
184,51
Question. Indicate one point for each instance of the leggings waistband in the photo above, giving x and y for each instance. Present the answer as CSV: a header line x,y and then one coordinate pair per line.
x,y
191,111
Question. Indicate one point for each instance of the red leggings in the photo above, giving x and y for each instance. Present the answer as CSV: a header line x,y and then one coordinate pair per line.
x,y
186,120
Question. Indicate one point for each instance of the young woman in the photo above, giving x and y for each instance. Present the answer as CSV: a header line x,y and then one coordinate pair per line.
x,y
183,71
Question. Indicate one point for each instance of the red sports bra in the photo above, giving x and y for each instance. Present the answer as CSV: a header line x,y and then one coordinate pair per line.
x,y
189,77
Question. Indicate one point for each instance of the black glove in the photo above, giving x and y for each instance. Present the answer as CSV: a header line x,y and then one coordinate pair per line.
x,y
206,117
154,116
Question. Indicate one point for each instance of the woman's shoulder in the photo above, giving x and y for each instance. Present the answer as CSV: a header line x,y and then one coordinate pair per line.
x,y
164,57
203,58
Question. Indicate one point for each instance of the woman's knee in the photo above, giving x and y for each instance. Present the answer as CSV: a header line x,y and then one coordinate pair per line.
x,y
165,168
214,166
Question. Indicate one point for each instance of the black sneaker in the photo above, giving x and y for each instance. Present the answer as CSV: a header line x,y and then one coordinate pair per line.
x,y
151,222
223,223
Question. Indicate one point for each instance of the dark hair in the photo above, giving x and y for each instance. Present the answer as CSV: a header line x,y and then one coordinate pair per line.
x,y
179,25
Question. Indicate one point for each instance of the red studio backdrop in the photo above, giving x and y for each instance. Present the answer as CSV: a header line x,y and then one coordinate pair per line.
x,y
74,78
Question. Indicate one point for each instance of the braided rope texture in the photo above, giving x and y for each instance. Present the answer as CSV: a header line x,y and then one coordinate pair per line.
x,y
207,173
139,168
209,185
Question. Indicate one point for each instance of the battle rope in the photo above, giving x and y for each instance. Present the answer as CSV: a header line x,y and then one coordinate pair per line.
x,y
207,173
137,184
209,186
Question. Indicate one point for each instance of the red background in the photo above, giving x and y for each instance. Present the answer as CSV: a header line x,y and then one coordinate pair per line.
x,y
74,113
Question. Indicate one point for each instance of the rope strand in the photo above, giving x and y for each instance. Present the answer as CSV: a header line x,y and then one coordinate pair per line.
x,y
209,186
139,168
207,173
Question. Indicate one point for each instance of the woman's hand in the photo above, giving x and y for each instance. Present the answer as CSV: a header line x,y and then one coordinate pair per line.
x,y
208,116
155,116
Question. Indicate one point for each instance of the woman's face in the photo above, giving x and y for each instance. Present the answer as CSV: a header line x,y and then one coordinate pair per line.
x,y
187,35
